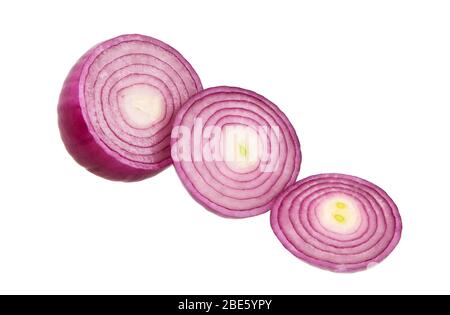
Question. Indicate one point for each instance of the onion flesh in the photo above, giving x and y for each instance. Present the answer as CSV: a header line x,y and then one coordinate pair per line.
x,y
234,151
337,222
117,106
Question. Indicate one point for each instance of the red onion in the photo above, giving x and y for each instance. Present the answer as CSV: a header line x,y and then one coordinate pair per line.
x,y
234,151
337,222
117,106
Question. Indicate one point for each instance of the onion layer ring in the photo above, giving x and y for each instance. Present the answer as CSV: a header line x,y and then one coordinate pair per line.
x,y
227,186
337,222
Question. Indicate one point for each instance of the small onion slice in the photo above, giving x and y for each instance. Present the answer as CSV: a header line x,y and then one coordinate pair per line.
x,y
234,151
117,106
337,222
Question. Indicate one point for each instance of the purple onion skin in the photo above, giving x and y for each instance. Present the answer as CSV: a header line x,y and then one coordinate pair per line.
x,y
78,139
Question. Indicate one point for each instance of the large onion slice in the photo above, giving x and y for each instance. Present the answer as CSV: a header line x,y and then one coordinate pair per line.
x,y
117,106
234,151
337,222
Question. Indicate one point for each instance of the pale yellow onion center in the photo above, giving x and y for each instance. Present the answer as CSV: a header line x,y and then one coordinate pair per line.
x,y
141,105
340,214
240,147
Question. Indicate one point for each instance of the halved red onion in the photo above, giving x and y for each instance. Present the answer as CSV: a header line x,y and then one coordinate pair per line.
x,y
337,222
117,106
234,151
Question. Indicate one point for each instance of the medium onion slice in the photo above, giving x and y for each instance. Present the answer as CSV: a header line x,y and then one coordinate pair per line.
x,y
337,222
117,106
234,151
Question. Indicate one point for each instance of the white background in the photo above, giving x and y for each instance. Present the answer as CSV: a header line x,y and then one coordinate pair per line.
x,y
366,84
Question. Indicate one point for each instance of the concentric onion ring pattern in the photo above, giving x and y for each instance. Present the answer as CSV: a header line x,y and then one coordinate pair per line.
x,y
337,222
214,184
92,124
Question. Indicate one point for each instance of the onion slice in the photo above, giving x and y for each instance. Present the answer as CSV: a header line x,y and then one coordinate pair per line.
x,y
117,106
337,222
234,151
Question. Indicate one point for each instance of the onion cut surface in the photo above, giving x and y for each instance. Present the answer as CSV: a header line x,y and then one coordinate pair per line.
x,y
337,222
234,151
117,106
